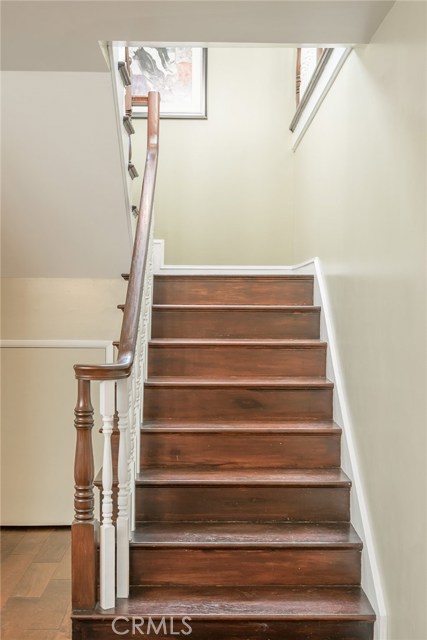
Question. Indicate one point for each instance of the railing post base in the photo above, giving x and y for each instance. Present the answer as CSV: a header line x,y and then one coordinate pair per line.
x,y
84,539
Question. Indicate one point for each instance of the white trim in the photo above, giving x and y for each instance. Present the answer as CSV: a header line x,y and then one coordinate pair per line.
x,y
160,268
371,577
338,57
61,344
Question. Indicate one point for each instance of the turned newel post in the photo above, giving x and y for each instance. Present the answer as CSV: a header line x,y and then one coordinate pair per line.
x,y
84,529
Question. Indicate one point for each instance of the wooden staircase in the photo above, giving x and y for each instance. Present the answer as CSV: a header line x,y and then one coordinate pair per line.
x,y
243,512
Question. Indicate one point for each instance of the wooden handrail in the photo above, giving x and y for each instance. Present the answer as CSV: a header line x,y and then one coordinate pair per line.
x,y
139,101
123,367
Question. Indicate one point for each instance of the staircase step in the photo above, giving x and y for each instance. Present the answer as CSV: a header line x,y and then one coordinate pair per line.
x,y
187,398
291,426
245,495
245,554
217,358
233,445
235,321
216,289
227,613
207,535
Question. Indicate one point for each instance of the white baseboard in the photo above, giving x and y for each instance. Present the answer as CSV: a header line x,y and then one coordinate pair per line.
x,y
371,578
160,268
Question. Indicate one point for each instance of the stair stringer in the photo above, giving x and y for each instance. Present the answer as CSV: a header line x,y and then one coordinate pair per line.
x,y
360,518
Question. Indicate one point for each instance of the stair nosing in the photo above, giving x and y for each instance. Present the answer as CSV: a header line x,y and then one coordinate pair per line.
x,y
211,530
252,477
231,429
302,382
235,307
234,276
157,609
256,343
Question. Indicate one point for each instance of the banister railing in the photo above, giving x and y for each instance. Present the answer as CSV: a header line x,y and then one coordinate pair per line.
x,y
121,391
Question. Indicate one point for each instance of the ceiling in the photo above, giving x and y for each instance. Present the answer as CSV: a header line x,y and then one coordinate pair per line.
x,y
63,35
63,202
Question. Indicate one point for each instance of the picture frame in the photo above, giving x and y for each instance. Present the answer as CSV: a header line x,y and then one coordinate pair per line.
x,y
178,73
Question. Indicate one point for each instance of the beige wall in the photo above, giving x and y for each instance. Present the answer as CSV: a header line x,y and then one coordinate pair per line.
x,y
38,437
360,182
224,184
39,390
61,308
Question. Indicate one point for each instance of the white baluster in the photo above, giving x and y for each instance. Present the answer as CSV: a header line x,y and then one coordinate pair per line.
x,y
107,537
139,398
123,499
131,454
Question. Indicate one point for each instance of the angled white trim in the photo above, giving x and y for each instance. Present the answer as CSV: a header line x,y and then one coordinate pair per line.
x,y
160,268
61,344
371,576
338,57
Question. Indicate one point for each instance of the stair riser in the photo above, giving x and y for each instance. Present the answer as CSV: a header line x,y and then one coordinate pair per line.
x,y
219,361
242,504
230,630
236,403
268,450
236,324
223,290
240,567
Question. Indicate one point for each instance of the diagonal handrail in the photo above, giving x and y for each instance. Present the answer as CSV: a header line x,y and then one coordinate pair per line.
x,y
123,367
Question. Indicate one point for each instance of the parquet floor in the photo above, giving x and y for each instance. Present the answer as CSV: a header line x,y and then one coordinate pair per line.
x,y
35,591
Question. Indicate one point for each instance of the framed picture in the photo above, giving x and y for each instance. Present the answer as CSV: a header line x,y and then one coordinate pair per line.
x,y
178,73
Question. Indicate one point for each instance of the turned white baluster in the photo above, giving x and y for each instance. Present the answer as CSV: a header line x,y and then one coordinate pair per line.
x,y
107,534
123,497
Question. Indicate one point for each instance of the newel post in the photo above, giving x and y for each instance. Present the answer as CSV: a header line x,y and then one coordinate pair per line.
x,y
84,530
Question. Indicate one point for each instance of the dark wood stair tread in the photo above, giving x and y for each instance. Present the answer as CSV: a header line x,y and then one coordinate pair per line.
x,y
250,277
208,534
254,428
248,603
238,342
253,477
236,307
240,381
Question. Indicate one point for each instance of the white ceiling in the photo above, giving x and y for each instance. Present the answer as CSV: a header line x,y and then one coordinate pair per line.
x,y
63,35
63,204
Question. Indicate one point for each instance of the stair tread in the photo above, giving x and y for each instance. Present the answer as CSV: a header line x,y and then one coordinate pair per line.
x,y
238,342
235,307
237,603
208,534
301,382
251,277
255,428
208,476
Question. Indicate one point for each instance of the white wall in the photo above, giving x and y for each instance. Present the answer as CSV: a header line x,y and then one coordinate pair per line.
x,y
224,184
360,204
39,389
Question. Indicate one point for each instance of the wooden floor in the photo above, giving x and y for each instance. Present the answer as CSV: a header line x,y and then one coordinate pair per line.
x,y
35,583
